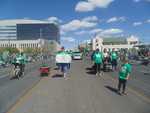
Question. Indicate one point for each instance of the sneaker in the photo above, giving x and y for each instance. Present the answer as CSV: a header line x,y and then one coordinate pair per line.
x,y
124,93
119,92
100,74
96,74
64,75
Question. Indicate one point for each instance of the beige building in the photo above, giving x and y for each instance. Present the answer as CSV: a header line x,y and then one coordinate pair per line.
x,y
117,43
23,44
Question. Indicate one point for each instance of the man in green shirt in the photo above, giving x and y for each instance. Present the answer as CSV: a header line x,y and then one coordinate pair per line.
x,y
98,59
114,58
124,76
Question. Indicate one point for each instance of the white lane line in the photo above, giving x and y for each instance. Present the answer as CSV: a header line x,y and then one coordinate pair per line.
x,y
3,76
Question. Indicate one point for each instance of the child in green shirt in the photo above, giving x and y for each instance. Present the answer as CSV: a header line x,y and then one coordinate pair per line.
x,y
124,76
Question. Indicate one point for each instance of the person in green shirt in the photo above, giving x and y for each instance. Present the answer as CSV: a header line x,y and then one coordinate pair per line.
x,y
20,61
124,76
98,59
114,58
63,65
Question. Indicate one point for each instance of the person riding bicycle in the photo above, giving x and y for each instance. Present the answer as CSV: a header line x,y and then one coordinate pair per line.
x,y
20,60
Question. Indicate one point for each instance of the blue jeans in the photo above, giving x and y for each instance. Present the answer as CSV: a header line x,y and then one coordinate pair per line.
x,y
63,67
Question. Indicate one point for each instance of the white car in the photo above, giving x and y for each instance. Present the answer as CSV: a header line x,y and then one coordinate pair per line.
x,y
77,56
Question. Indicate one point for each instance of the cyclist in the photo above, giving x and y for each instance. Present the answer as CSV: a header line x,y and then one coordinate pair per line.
x,y
20,60
98,59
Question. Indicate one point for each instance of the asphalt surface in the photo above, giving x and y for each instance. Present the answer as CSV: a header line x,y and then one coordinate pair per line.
x,y
81,92
12,90
139,79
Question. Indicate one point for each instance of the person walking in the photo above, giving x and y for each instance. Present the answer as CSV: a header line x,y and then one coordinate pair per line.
x,y
124,76
63,60
98,59
114,58
106,59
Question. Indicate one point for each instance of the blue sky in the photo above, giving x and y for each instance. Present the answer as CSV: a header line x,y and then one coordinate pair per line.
x,y
81,19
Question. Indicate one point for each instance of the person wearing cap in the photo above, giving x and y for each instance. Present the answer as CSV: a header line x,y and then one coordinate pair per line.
x,y
124,76
98,59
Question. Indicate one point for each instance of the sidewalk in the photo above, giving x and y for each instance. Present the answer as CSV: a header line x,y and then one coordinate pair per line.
x,y
81,93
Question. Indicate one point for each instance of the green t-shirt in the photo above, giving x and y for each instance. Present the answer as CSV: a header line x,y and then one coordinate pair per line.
x,y
98,57
125,70
21,60
114,56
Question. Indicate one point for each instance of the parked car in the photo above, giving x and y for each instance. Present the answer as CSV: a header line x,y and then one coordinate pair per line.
x,y
77,56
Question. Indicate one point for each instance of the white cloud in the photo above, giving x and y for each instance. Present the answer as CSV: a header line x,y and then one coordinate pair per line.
x,y
84,6
62,32
116,19
81,32
136,0
91,32
141,1
100,3
95,31
90,5
111,31
68,39
137,23
54,19
91,19
148,21
77,24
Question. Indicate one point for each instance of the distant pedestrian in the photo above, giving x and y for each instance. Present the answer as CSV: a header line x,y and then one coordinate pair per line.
x,y
63,60
114,58
106,59
98,59
124,76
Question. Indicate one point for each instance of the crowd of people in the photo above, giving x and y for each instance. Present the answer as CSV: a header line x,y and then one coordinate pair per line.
x,y
104,58
101,61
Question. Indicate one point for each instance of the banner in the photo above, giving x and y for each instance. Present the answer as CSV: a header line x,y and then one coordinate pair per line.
x,y
63,58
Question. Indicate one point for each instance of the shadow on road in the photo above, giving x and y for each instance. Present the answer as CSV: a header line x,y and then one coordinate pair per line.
x,y
112,89
90,71
89,68
56,68
57,76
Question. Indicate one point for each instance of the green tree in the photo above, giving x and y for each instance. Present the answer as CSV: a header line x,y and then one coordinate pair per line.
x,y
28,50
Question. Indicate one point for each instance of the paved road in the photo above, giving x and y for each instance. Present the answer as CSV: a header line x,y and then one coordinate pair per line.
x,y
82,92
12,90
139,79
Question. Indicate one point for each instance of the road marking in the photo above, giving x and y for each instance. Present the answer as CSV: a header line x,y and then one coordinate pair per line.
x,y
23,98
3,76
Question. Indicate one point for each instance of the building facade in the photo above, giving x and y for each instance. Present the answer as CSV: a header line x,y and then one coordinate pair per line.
x,y
8,32
36,31
21,45
25,29
114,43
